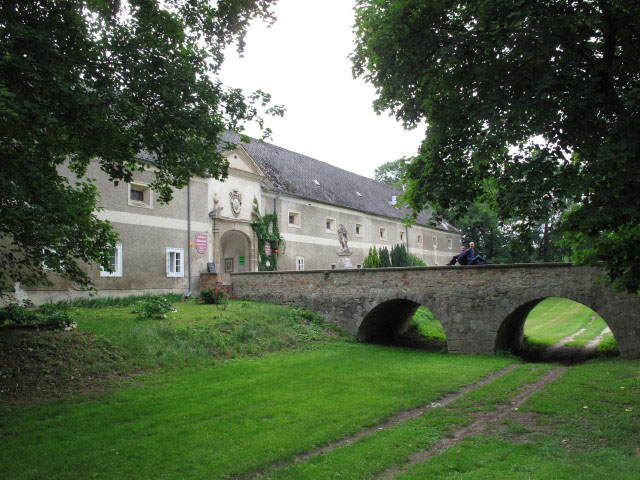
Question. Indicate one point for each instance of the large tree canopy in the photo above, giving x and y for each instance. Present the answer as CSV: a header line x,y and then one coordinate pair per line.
x,y
541,98
105,79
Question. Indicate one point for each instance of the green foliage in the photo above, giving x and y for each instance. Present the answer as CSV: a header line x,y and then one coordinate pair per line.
x,y
103,302
152,308
392,173
217,295
385,259
399,257
372,260
415,261
267,231
49,316
550,121
107,80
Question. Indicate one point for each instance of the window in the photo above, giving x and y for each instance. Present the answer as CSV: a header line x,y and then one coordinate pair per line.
x,y
449,244
294,219
359,265
299,263
419,240
402,236
359,229
140,195
333,266
383,233
115,264
435,241
175,262
330,224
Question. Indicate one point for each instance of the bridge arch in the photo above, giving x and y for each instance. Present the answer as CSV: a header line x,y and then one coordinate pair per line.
x,y
510,333
390,317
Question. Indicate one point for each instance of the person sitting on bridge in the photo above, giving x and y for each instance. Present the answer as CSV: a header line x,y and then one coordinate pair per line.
x,y
455,257
469,257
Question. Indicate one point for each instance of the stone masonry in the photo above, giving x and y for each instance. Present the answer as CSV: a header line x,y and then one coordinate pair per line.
x,y
481,308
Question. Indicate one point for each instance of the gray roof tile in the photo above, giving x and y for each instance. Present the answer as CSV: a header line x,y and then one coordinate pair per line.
x,y
293,174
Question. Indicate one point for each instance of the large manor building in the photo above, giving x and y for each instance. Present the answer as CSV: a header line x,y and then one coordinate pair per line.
x,y
207,226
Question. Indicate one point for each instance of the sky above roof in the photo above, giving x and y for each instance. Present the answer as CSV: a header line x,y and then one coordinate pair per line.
x,y
302,61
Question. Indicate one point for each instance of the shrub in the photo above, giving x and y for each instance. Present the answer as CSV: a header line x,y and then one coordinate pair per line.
x,y
49,316
399,255
415,261
385,259
217,295
153,307
372,260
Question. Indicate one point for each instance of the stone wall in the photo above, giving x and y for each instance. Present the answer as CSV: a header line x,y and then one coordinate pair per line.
x,y
482,308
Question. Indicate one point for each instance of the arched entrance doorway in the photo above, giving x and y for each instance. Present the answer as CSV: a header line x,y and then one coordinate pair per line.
x,y
236,254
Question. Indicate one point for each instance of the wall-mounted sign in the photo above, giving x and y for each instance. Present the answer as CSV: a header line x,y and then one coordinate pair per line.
x,y
267,248
201,242
211,267
241,260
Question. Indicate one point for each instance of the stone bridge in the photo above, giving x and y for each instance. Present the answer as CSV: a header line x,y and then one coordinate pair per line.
x,y
481,308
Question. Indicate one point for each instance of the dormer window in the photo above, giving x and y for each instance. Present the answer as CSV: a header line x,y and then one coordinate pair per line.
x,y
316,182
393,199
358,194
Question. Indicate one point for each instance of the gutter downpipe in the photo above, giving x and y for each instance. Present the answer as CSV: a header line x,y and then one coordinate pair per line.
x,y
275,199
189,235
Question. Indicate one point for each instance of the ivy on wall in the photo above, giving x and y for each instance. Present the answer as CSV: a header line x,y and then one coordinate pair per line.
x,y
266,229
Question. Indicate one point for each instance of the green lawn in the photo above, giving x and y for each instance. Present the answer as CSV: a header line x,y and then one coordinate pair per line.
x,y
556,318
237,391
208,422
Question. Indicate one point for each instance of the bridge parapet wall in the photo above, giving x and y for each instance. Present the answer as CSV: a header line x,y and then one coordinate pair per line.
x,y
476,305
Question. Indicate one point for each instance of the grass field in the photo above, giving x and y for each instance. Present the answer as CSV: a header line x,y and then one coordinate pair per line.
x,y
210,393
556,318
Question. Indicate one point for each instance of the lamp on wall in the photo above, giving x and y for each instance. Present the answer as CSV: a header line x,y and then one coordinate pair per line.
x,y
275,250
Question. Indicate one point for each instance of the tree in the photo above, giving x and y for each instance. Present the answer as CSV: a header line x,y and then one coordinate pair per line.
x,y
100,79
392,173
399,255
539,95
372,260
385,259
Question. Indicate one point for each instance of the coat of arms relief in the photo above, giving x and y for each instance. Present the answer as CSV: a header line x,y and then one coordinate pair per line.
x,y
235,198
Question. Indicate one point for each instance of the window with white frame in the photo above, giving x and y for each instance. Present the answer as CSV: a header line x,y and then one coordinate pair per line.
x,y
115,264
330,224
449,244
419,240
299,263
383,233
294,219
359,229
175,262
435,241
140,195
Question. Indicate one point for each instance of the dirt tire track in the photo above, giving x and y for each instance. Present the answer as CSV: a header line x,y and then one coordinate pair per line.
x,y
478,426
395,419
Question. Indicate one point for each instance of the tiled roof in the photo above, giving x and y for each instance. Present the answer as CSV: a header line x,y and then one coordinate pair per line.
x,y
295,174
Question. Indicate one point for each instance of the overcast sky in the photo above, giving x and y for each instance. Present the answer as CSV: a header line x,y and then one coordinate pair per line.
x,y
302,60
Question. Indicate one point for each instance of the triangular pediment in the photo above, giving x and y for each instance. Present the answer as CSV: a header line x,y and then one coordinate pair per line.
x,y
240,162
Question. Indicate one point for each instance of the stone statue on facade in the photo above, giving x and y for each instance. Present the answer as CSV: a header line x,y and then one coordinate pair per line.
x,y
344,255
342,238
235,199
